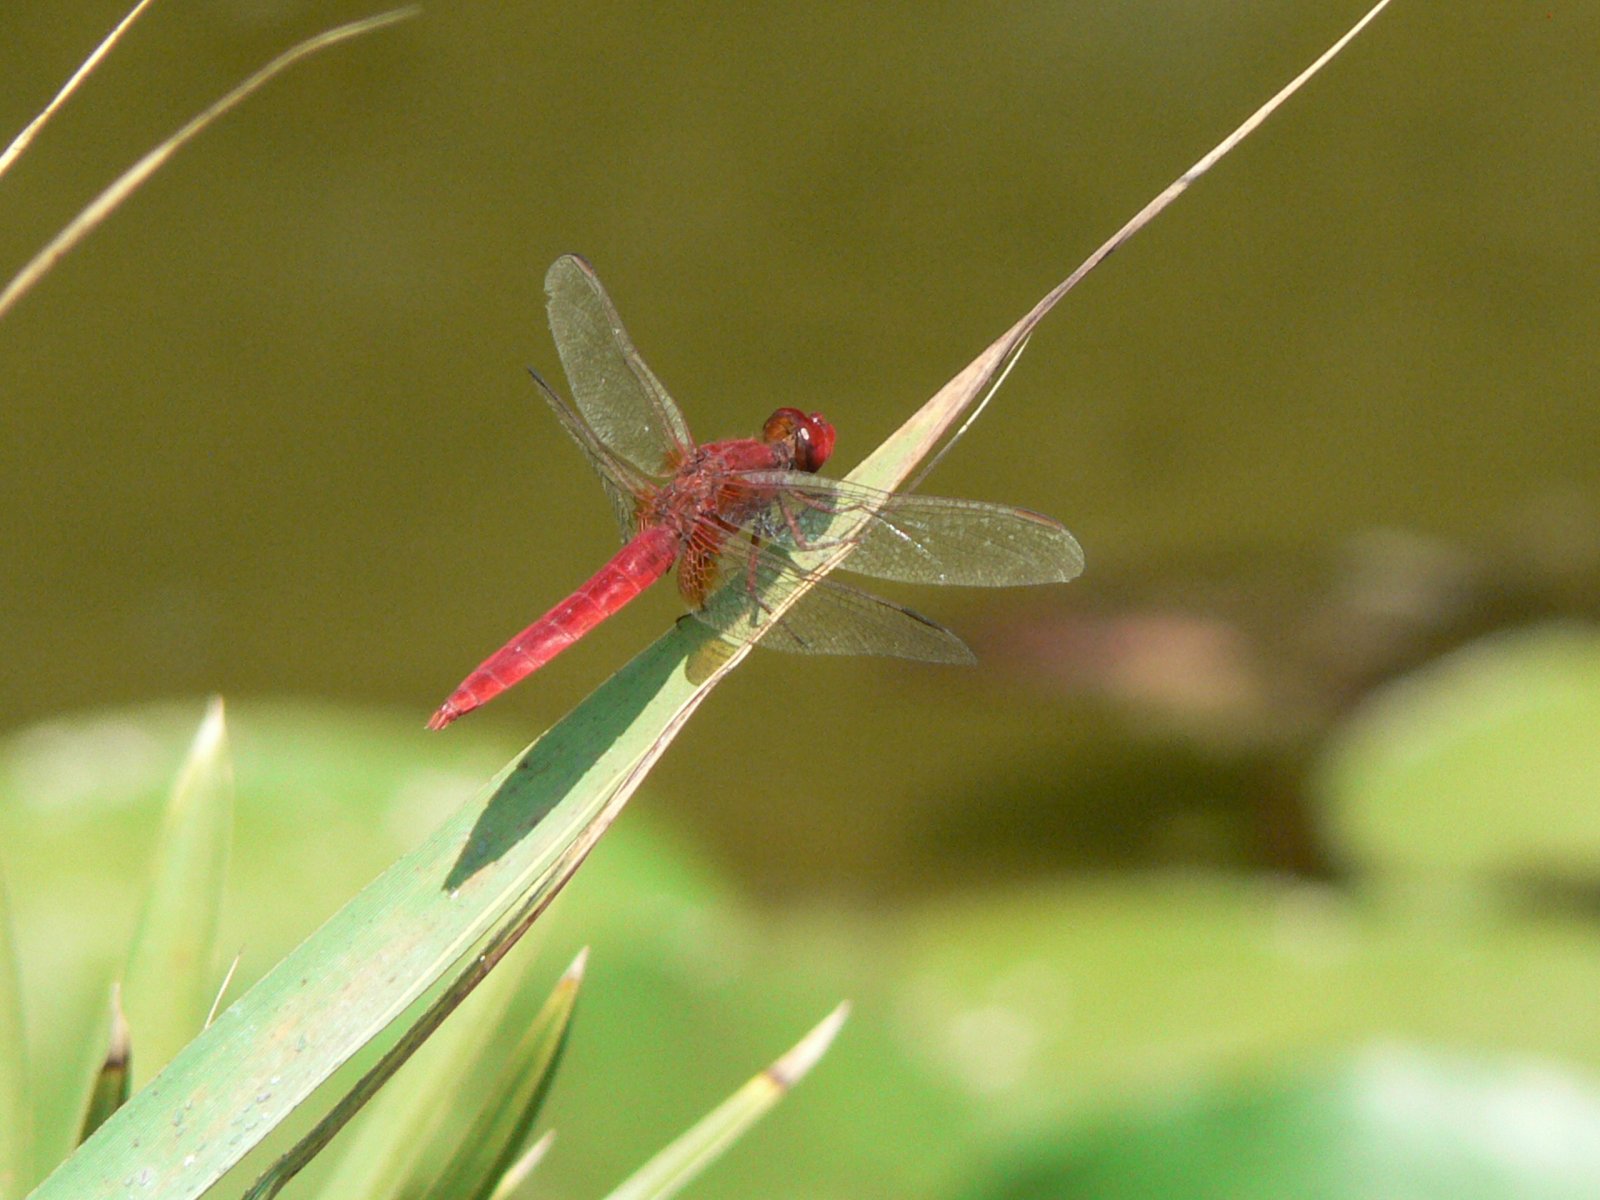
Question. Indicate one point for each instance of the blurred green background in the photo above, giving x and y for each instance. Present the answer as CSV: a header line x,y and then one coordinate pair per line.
x,y
269,434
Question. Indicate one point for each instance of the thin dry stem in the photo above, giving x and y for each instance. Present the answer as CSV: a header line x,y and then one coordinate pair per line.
x,y
222,990
103,205
21,141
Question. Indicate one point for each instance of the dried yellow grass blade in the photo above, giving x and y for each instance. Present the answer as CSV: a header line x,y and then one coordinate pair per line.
x,y
23,139
103,205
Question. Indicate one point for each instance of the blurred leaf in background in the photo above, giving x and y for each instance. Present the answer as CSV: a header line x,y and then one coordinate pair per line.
x,y
1391,1122
1049,1022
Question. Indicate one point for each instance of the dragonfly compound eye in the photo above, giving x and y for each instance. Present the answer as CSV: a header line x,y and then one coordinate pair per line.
x,y
816,442
809,438
781,425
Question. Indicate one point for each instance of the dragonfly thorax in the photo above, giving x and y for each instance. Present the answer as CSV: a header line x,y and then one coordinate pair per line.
x,y
708,490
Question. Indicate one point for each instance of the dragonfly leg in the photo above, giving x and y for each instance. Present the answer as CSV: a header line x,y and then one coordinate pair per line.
x,y
750,582
790,519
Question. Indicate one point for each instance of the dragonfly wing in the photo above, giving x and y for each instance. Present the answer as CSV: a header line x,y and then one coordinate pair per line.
x,y
831,618
620,398
623,484
835,619
917,539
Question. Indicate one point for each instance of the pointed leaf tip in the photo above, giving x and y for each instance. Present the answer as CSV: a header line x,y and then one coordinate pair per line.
x,y
113,1079
580,963
119,1048
518,1172
793,1066
169,986
213,730
695,1149
206,766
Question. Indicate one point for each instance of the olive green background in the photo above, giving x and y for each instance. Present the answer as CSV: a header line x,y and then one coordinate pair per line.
x,y
269,434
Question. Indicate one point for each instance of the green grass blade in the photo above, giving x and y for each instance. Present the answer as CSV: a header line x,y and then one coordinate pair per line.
x,y
170,979
511,1103
406,1128
16,1117
386,1154
515,844
668,1172
112,1082
514,1184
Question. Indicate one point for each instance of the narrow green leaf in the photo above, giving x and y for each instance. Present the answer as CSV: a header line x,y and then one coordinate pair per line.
x,y
514,1184
384,1154
495,948
515,844
510,1104
112,1081
667,1173
170,979
16,1117
407,1125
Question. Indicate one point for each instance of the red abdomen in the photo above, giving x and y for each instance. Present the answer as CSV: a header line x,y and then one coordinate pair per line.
x,y
635,567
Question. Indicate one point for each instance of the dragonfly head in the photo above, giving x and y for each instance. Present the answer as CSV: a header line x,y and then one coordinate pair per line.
x,y
809,437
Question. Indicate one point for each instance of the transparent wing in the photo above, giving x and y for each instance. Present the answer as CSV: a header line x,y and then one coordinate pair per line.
x,y
620,399
744,578
916,539
624,486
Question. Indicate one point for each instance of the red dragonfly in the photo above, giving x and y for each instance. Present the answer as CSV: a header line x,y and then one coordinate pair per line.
x,y
732,513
